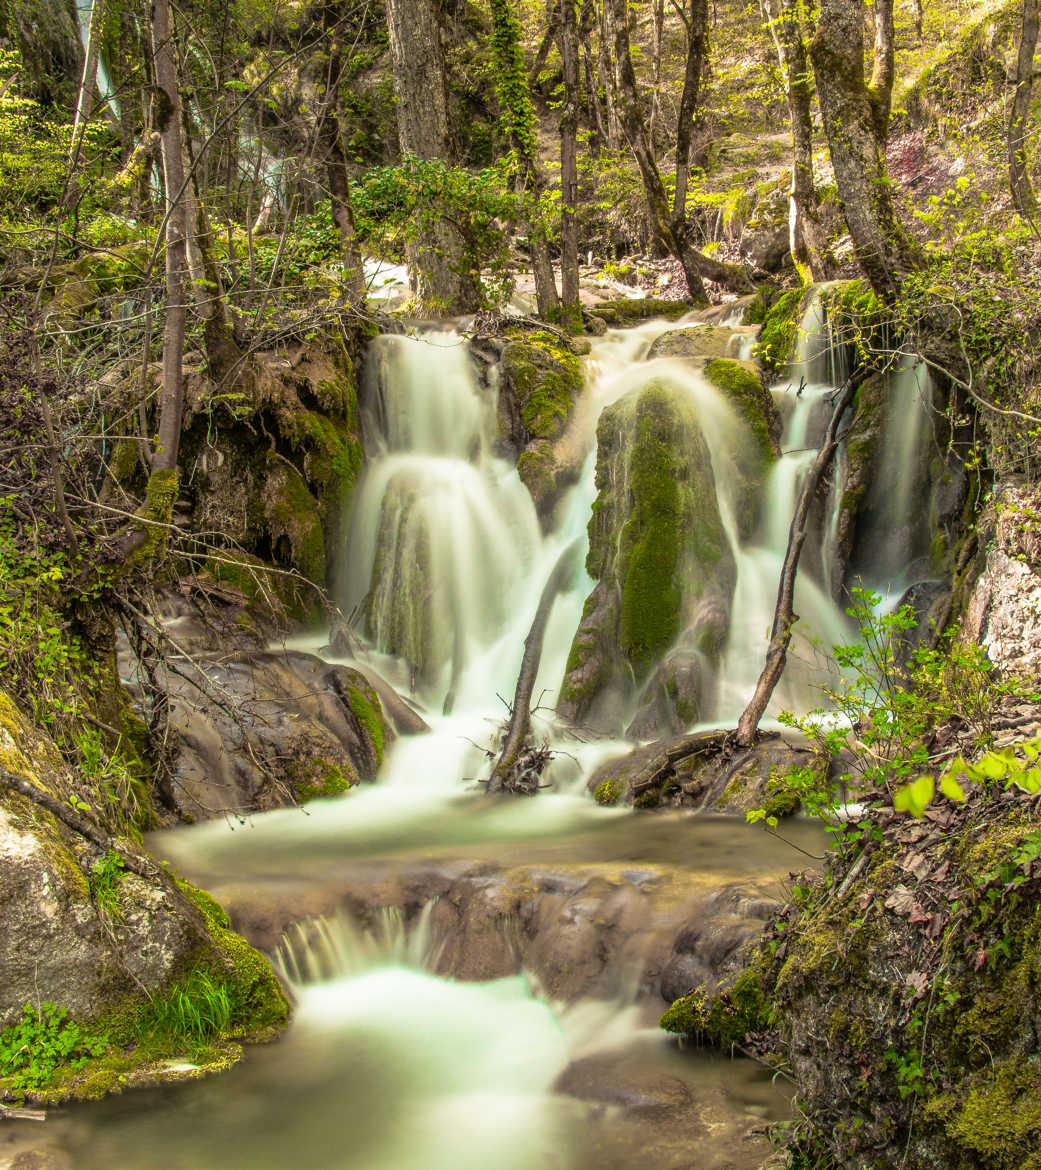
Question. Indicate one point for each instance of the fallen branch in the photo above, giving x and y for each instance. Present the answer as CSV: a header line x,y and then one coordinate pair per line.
x,y
13,1113
784,612
502,776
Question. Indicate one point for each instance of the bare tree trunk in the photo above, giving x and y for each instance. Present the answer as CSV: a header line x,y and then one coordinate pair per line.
x,y
1023,196
171,397
657,34
503,774
856,120
548,37
785,616
420,84
329,136
586,28
806,237
570,308
606,71
672,232
697,54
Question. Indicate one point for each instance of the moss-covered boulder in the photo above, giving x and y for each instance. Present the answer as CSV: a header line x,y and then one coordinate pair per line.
x,y
660,556
91,950
627,311
540,380
698,341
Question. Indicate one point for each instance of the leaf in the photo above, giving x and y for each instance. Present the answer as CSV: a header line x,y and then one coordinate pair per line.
x,y
914,798
951,788
900,901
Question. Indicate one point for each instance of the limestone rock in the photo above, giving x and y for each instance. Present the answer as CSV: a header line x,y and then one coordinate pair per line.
x,y
701,341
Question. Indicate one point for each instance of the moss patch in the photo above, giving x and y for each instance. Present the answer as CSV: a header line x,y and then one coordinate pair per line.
x,y
630,311
545,377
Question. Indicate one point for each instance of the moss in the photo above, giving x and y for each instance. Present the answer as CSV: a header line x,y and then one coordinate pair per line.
x,y
649,799
610,792
727,1018
206,904
368,711
292,512
780,330
537,470
630,311
752,400
155,515
995,1115
546,379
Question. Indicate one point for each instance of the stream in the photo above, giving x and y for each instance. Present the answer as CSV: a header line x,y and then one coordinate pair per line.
x,y
477,981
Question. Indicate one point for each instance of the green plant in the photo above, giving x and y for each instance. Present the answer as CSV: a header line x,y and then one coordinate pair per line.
x,y
41,1043
106,876
197,1009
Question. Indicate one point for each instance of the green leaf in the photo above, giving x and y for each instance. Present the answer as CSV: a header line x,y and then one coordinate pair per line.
x,y
951,788
914,798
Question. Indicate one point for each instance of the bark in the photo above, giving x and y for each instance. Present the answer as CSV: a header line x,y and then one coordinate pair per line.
x,y
671,232
785,616
518,115
548,37
420,85
329,134
88,82
658,30
606,72
569,166
1023,197
806,236
697,52
168,119
856,118
503,774
594,114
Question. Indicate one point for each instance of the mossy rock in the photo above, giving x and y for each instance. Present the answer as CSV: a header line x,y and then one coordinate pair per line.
x,y
543,374
695,341
780,327
631,311
293,516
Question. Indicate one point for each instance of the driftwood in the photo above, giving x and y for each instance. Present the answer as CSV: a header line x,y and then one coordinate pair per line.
x,y
784,612
16,1113
504,774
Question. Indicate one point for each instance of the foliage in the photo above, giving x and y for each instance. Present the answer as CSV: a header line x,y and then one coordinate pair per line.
x,y
197,1009
881,711
106,875
43,1041
397,206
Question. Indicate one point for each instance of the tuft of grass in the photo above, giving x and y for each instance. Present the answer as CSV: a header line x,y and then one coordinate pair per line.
x,y
198,1009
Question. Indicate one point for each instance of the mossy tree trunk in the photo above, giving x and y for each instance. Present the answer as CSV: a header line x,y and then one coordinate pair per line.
x,y
1023,196
442,282
168,121
571,309
517,115
807,240
856,122
696,21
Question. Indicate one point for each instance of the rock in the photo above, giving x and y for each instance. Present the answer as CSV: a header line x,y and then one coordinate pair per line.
x,y
102,960
625,311
257,729
663,565
700,341
1004,609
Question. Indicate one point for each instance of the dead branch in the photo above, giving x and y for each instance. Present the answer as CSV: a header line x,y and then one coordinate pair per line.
x,y
784,612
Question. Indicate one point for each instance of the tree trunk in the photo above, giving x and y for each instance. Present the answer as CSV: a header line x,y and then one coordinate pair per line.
x,y
785,616
168,118
329,135
440,279
856,119
606,71
1023,196
571,311
517,115
806,237
697,53
673,233
88,82
658,32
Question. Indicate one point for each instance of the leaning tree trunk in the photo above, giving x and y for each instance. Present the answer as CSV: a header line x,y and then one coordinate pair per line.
x,y
697,54
442,280
856,120
570,308
88,82
168,117
785,616
504,774
1023,196
806,237
672,233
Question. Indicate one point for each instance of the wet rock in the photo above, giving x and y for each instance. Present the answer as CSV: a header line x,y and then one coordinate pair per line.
x,y
701,341
644,1094
662,562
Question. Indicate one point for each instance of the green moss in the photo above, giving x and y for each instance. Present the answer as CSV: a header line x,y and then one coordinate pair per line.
x,y
610,792
292,512
206,904
780,330
727,1018
752,400
155,515
537,470
368,710
545,376
995,1115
